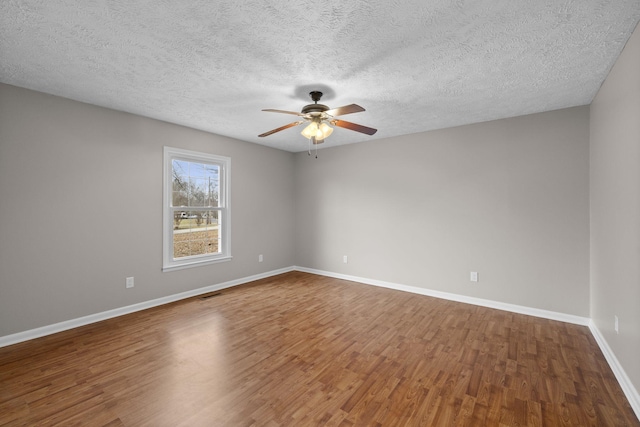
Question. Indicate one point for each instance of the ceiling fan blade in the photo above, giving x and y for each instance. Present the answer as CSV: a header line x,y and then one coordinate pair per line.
x,y
347,109
271,110
290,125
354,126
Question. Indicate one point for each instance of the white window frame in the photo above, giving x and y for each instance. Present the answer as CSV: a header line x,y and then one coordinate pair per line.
x,y
170,263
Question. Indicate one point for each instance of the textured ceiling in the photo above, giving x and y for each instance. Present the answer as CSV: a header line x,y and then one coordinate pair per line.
x,y
415,65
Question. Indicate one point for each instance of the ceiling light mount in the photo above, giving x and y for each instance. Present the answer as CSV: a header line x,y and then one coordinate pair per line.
x,y
315,95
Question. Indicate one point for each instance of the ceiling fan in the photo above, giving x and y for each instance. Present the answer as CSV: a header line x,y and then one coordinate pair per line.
x,y
319,117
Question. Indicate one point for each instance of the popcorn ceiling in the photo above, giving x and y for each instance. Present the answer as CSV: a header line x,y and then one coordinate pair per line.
x,y
413,65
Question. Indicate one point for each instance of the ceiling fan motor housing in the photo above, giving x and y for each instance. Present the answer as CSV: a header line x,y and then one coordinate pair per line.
x,y
314,108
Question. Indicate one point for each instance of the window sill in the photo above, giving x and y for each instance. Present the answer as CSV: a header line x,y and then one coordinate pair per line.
x,y
191,264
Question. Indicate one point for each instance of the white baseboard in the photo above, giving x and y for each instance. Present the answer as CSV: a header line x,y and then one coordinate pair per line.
x,y
546,314
93,318
625,383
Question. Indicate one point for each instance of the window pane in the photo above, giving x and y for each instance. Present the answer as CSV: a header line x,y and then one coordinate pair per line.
x,y
212,171
196,170
211,185
180,167
195,233
198,193
180,198
180,183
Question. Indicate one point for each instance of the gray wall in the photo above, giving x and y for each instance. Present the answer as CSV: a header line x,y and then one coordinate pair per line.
x,y
508,199
81,209
615,208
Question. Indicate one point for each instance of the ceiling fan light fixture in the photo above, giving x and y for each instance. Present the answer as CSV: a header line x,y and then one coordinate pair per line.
x,y
326,130
319,132
311,130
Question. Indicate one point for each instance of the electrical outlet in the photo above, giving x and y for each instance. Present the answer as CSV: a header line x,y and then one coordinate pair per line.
x,y
129,282
260,258
345,259
615,324
474,276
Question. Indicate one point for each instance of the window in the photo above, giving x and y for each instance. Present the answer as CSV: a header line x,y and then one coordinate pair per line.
x,y
196,214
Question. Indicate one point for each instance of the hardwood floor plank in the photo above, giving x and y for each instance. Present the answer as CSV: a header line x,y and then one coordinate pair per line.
x,y
304,350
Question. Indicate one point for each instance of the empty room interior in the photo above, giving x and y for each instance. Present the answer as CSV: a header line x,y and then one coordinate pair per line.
x,y
308,213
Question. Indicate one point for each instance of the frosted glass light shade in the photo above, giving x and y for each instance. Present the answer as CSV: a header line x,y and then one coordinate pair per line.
x,y
324,130
310,130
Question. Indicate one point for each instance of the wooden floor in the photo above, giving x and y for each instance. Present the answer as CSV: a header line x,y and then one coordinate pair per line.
x,y
305,350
